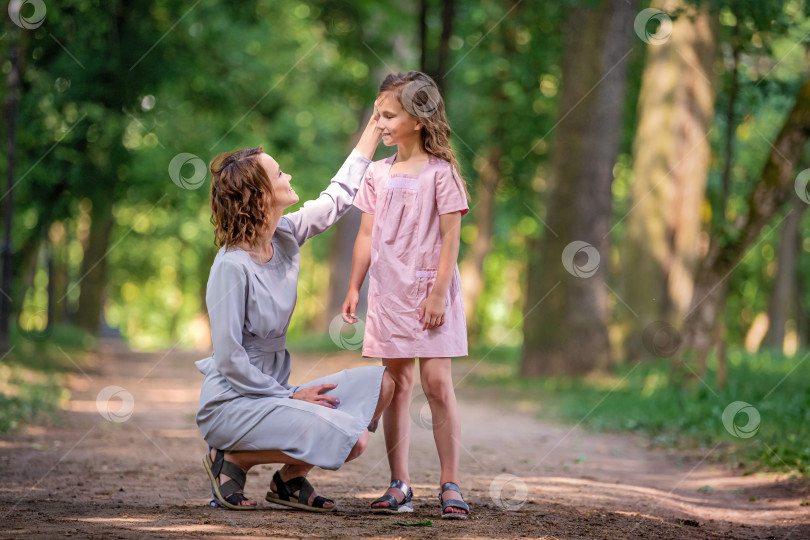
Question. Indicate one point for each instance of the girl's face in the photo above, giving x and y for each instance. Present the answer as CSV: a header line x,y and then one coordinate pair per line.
x,y
396,124
283,195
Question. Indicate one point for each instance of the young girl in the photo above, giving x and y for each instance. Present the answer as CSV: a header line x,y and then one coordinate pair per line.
x,y
412,205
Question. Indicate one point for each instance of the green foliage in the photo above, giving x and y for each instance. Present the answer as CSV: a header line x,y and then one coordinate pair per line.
x,y
642,398
32,374
128,86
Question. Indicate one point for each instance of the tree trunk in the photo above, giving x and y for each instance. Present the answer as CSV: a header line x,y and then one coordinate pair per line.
x,y
783,296
423,8
773,189
448,17
671,161
93,278
11,150
58,274
568,332
472,267
341,252
802,315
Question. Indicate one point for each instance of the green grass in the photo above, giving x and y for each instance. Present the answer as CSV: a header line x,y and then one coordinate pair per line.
x,y
641,399
33,375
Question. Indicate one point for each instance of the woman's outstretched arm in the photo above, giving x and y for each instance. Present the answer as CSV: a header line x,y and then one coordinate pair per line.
x,y
319,214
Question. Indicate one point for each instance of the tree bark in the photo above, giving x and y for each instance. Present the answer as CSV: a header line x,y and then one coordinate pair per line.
x,y
783,301
671,161
448,18
565,324
93,278
773,189
340,264
472,267
423,9
11,150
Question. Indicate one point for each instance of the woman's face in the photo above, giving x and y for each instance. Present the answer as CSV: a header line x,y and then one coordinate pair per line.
x,y
396,124
282,194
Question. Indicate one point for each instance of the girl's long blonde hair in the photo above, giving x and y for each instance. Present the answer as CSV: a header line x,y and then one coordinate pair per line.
x,y
419,95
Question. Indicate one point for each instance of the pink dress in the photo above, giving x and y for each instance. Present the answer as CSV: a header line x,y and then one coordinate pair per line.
x,y
405,246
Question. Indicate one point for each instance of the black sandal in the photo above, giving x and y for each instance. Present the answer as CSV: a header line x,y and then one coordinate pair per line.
x,y
226,494
395,507
305,490
453,503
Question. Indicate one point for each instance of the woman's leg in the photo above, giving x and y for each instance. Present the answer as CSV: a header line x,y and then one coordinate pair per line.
x,y
437,383
387,389
292,468
397,422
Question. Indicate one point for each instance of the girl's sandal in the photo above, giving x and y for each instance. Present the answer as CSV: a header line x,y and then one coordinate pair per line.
x,y
226,494
305,490
453,503
395,507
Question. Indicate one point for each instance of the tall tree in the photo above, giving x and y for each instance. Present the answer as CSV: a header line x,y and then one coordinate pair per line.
x,y
8,193
565,325
784,298
773,188
671,159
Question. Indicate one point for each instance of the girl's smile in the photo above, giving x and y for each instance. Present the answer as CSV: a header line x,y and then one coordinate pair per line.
x,y
396,125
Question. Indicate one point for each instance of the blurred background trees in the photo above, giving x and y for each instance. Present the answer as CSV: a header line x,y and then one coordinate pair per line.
x,y
666,143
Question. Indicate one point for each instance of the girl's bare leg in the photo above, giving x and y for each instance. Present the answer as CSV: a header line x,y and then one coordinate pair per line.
x,y
437,383
397,422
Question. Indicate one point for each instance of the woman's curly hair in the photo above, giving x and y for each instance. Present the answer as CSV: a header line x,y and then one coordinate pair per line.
x,y
240,194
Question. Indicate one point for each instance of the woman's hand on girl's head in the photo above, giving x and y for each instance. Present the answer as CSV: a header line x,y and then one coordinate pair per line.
x,y
376,114
432,312
317,395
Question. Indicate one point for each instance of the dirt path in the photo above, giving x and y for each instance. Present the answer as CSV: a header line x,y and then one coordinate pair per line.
x,y
89,477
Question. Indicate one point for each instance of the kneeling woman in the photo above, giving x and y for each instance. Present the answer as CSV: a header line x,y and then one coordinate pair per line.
x,y
249,414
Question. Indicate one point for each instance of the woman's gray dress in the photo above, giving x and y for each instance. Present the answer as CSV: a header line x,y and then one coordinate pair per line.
x,y
245,402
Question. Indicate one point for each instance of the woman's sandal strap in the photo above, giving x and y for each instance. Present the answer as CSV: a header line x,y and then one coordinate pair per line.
x,y
236,498
225,494
320,501
238,477
302,486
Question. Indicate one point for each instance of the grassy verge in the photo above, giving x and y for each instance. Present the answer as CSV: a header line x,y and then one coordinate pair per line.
x,y
640,398
33,375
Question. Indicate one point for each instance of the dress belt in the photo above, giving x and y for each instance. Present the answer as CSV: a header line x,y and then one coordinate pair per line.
x,y
265,345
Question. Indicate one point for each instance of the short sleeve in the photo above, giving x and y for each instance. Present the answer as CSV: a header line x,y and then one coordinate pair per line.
x,y
450,195
366,198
